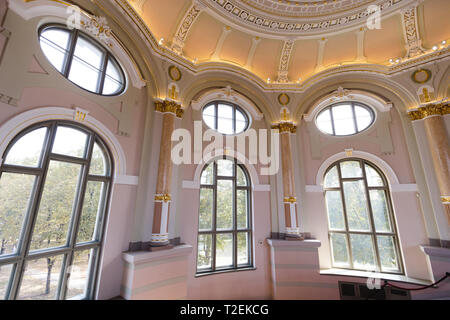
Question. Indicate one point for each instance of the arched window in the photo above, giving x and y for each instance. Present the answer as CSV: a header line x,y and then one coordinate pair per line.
x,y
225,117
361,224
82,60
55,180
345,118
225,226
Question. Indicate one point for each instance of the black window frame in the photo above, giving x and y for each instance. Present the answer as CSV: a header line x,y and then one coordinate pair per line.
x,y
216,116
353,104
23,254
74,34
373,233
234,231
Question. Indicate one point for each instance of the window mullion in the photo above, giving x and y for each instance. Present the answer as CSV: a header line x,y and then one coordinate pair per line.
x,y
69,55
103,72
235,227
354,117
372,222
213,235
344,208
30,220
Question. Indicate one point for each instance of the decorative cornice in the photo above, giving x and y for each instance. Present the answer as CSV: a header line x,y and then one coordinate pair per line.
x,y
285,127
169,106
431,109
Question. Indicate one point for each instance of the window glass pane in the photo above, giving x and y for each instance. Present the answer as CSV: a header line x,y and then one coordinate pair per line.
x,y
242,209
363,118
5,276
339,248
40,279
241,178
204,260
332,178
54,43
56,205
207,175
240,116
225,126
224,204
380,210
79,274
351,169
242,247
57,37
356,206
225,168
343,120
388,255
15,194
84,75
324,121
98,162
224,250
89,53
240,126
335,211
206,209
70,142
210,111
28,149
373,178
210,121
225,111
111,86
112,71
362,252
92,208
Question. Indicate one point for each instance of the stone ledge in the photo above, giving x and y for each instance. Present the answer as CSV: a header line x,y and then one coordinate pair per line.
x,y
275,243
140,257
436,251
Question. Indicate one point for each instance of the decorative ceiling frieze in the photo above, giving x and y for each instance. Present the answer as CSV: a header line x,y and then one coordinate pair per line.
x,y
263,22
283,68
186,23
411,32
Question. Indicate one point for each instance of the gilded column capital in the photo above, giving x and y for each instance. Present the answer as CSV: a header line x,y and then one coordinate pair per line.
x,y
285,127
169,106
431,109
163,197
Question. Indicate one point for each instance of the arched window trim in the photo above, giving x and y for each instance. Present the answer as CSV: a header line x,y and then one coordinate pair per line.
x,y
216,118
234,230
74,35
67,251
372,231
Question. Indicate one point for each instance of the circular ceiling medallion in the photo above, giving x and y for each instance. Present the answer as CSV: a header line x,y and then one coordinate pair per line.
x,y
174,73
421,75
283,99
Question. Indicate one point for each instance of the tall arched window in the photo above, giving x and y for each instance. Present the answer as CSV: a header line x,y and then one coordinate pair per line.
x,y
225,117
225,226
362,229
55,179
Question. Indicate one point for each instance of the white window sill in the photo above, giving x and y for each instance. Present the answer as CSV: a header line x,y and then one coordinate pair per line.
x,y
378,275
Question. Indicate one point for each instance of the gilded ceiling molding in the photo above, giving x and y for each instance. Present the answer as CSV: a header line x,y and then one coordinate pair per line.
x,y
169,106
138,5
432,109
411,32
187,22
283,68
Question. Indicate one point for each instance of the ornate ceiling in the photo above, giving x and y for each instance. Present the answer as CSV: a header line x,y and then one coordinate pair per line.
x,y
288,41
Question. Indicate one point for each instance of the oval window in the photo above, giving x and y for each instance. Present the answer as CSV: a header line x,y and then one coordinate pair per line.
x,y
82,60
225,118
345,119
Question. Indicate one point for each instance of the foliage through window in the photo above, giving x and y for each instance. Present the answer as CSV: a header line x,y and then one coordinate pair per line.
x,y
345,118
54,184
361,224
82,60
225,226
225,118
